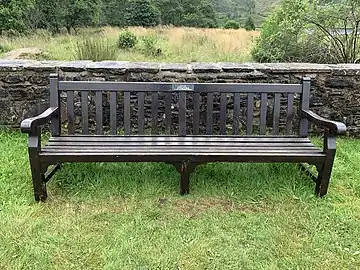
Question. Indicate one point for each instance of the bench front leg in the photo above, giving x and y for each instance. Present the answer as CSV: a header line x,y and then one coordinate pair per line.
x,y
324,170
37,172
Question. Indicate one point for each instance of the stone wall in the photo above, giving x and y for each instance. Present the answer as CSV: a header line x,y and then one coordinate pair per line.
x,y
335,92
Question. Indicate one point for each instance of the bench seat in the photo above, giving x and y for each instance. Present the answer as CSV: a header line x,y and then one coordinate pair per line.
x,y
176,149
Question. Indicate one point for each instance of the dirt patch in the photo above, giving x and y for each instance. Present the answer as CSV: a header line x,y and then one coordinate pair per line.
x,y
26,53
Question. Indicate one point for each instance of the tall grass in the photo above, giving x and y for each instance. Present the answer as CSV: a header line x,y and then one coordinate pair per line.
x,y
95,49
176,44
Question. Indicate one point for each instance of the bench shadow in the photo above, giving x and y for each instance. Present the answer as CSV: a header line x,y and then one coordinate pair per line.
x,y
241,180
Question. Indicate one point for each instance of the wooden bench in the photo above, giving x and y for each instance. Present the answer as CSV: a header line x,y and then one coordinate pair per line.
x,y
254,138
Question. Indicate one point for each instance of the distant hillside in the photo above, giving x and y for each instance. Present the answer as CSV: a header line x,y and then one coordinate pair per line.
x,y
239,10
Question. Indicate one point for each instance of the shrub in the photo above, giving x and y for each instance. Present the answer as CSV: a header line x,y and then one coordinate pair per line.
x,y
231,24
149,46
282,33
95,49
4,48
127,40
249,24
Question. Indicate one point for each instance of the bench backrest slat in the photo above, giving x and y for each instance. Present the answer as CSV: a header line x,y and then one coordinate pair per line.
x,y
236,114
154,112
127,113
141,117
196,113
290,113
165,108
182,113
250,114
223,105
55,102
85,112
263,113
113,107
70,112
209,113
304,105
276,118
168,101
99,113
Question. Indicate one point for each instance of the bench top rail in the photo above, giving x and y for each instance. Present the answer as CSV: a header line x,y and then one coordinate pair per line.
x,y
180,87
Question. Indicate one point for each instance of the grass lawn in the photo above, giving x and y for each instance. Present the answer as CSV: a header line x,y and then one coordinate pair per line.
x,y
176,44
129,216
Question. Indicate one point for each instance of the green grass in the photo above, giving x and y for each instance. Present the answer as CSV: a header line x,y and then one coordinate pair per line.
x,y
129,216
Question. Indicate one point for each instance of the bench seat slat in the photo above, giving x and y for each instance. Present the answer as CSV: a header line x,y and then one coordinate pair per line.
x,y
231,144
176,147
232,139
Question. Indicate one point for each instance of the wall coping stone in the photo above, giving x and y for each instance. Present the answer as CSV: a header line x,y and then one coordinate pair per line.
x,y
149,67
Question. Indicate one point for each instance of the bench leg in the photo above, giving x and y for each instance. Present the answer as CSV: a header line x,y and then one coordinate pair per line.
x,y
185,168
37,172
325,169
323,179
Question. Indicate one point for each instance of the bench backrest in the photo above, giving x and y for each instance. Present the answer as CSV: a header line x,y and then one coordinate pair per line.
x,y
185,108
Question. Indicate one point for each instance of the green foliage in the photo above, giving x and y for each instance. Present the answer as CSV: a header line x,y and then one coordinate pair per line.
x,y
14,15
281,34
4,48
327,34
141,13
80,13
231,24
113,12
127,40
150,46
249,24
95,49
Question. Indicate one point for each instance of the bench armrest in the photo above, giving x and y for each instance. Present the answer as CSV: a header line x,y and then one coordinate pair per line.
x,y
333,126
30,125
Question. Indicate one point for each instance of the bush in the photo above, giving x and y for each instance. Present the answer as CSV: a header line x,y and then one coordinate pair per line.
x,y
127,40
231,24
149,46
282,34
4,48
95,49
249,24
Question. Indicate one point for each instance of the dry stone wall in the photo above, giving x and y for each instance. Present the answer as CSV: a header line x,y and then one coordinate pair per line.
x,y
24,91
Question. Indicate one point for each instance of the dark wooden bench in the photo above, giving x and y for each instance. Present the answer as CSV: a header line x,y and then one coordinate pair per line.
x,y
266,134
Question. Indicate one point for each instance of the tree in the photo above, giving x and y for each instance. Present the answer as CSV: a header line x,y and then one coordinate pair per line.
x,y
113,12
231,24
339,23
79,13
303,31
14,14
249,24
141,13
171,12
48,15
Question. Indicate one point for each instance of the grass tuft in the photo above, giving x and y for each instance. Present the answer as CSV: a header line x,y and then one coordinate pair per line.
x,y
95,49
